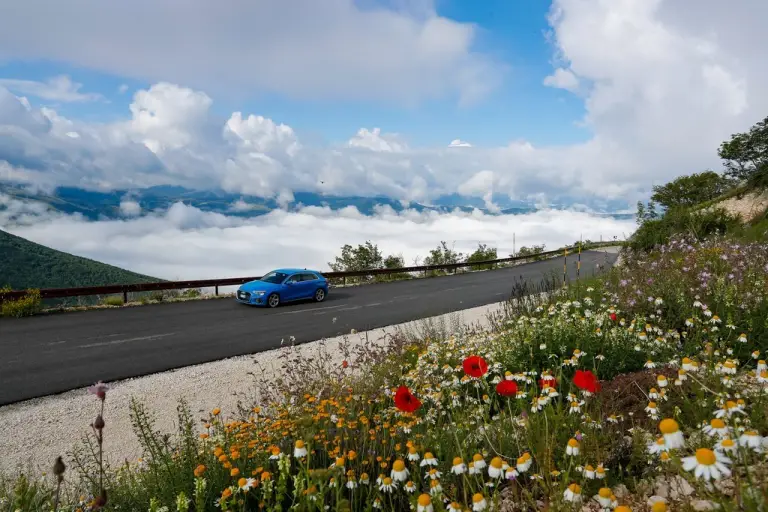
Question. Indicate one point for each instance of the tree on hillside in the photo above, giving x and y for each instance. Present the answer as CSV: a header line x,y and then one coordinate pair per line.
x,y
746,155
442,255
533,250
363,257
646,212
392,261
691,190
482,253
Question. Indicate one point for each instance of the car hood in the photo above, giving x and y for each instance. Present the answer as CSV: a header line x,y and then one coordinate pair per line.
x,y
259,286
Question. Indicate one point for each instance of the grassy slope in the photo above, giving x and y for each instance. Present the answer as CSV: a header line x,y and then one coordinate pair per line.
x,y
25,264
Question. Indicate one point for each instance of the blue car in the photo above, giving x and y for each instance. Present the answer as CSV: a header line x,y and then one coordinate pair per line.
x,y
283,285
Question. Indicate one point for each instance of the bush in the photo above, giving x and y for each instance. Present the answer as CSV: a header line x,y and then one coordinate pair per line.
x,y
29,305
114,300
483,253
682,222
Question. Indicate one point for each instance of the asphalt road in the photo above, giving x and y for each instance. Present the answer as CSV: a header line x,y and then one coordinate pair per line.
x,y
51,354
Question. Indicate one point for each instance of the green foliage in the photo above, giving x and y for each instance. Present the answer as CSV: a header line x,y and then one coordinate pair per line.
x,y
25,495
533,251
367,256
363,257
482,253
442,255
30,304
114,300
393,262
647,212
746,154
691,190
697,224
25,264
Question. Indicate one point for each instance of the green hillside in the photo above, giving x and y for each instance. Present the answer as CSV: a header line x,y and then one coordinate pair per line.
x,y
25,264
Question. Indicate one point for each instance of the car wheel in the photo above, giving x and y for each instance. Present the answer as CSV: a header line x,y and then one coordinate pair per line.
x,y
319,295
273,300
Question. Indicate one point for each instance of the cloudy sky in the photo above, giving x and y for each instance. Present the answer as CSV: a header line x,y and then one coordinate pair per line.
x,y
410,99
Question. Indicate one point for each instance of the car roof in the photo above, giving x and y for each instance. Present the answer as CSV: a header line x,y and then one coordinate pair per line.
x,y
295,270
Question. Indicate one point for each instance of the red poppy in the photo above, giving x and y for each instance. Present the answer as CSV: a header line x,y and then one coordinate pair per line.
x,y
613,316
549,382
475,366
506,388
405,401
586,380
345,364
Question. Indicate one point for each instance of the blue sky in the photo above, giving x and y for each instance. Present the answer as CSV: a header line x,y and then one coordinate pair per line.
x,y
362,97
513,32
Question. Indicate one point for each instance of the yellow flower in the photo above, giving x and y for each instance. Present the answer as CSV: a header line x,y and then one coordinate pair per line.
x,y
234,472
199,470
216,411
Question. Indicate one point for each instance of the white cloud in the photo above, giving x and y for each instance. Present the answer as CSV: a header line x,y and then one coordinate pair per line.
x,y
215,245
122,89
562,79
130,208
302,48
663,83
376,141
58,88
167,116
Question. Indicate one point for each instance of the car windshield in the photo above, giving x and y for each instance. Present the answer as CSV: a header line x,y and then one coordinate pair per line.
x,y
274,277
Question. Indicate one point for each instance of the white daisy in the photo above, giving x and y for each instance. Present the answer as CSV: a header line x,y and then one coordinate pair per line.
x,y
707,464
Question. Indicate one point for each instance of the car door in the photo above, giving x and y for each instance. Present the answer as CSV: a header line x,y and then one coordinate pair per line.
x,y
292,287
308,285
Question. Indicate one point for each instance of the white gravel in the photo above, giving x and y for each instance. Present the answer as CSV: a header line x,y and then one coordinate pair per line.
x,y
37,431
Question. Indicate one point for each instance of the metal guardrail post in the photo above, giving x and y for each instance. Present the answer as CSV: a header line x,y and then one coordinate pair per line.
x,y
125,296
217,290
578,264
565,265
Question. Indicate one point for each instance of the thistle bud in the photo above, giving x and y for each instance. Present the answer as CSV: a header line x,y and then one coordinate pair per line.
x,y
59,468
101,501
98,423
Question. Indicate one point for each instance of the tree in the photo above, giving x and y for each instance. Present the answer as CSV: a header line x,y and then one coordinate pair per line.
x,y
746,154
442,255
363,257
646,212
392,261
482,253
691,190
534,251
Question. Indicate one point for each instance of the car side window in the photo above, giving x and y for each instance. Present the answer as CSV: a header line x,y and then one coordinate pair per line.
x,y
294,278
308,277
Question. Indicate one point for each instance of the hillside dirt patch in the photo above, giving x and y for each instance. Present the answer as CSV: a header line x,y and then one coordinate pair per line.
x,y
750,206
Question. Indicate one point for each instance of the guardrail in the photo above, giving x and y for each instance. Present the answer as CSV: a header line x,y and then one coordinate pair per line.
x,y
125,289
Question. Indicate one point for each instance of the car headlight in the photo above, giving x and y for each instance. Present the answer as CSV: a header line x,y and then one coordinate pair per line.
x,y
258,294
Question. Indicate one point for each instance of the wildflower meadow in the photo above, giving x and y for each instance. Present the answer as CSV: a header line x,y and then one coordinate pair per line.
x,y
645,389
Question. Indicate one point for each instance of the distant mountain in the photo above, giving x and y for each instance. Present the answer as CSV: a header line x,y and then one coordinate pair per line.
x,y
25,264
107,205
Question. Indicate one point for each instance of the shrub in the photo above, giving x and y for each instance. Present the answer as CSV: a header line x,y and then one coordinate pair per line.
x,y
191,293
114,300
482,253
682,222
28,305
